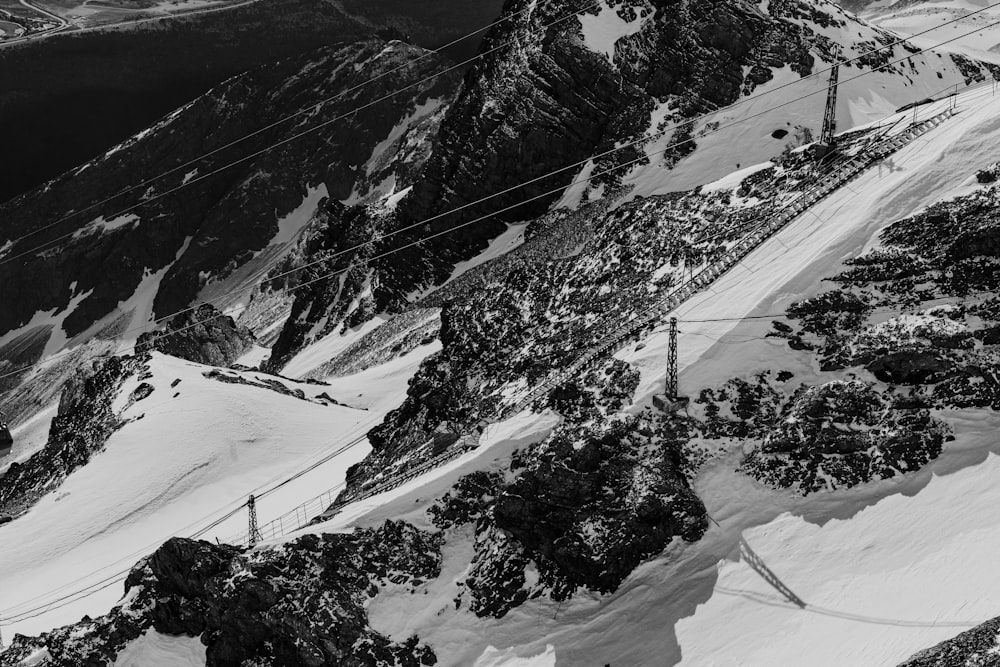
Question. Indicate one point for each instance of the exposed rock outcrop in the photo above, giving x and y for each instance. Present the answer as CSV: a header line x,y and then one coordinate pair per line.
x,y
85,421
303,604
203,335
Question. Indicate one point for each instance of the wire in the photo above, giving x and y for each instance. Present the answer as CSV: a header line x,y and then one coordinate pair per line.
x,y
49,606
592,176
644,139
283,142
326,457
97,586
312,109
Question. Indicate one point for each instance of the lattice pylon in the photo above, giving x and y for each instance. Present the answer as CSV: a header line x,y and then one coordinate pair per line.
x,y
830,113
253,533
672,360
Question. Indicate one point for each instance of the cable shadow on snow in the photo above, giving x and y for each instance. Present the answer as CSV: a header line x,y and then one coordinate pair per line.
x,y
775,601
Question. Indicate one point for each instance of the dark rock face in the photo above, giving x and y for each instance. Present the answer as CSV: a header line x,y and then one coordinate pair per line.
x,y
83,425
337,229
978,647
127,79
910,367
203,335
561,510
820,438
211,227
842,434
301,605
585,507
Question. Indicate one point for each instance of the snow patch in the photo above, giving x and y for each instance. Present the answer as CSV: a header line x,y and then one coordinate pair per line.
x,y
293,223
101,226
508,240
193,450
152,649
734,179
602,32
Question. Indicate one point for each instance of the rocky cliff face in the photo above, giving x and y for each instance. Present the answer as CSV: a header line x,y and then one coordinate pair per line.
x,y
203,335
914,323
180,244
509,326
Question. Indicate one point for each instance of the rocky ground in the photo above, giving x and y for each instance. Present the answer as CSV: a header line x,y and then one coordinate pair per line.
x,y
303,604
978,647
611,485
540,102
509,324
915,321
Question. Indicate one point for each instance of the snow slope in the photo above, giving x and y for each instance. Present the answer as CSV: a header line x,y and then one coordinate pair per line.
x,y
787,102
190,458
912,18
152,649
883,573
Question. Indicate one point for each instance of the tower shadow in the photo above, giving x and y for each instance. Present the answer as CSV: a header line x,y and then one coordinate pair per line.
x,y
758,566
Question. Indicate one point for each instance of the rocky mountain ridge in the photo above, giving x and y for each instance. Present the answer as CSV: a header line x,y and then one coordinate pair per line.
x,y
215,237
544,99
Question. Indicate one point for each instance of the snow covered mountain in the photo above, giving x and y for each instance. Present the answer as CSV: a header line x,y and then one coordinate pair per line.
x,y
490,467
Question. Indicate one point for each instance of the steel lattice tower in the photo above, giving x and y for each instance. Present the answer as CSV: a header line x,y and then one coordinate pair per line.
x,y
254,531
830,115
672,360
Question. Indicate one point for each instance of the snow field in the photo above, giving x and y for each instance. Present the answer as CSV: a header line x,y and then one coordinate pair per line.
x,y
322,350
155,650
508,240
912,19
602,31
